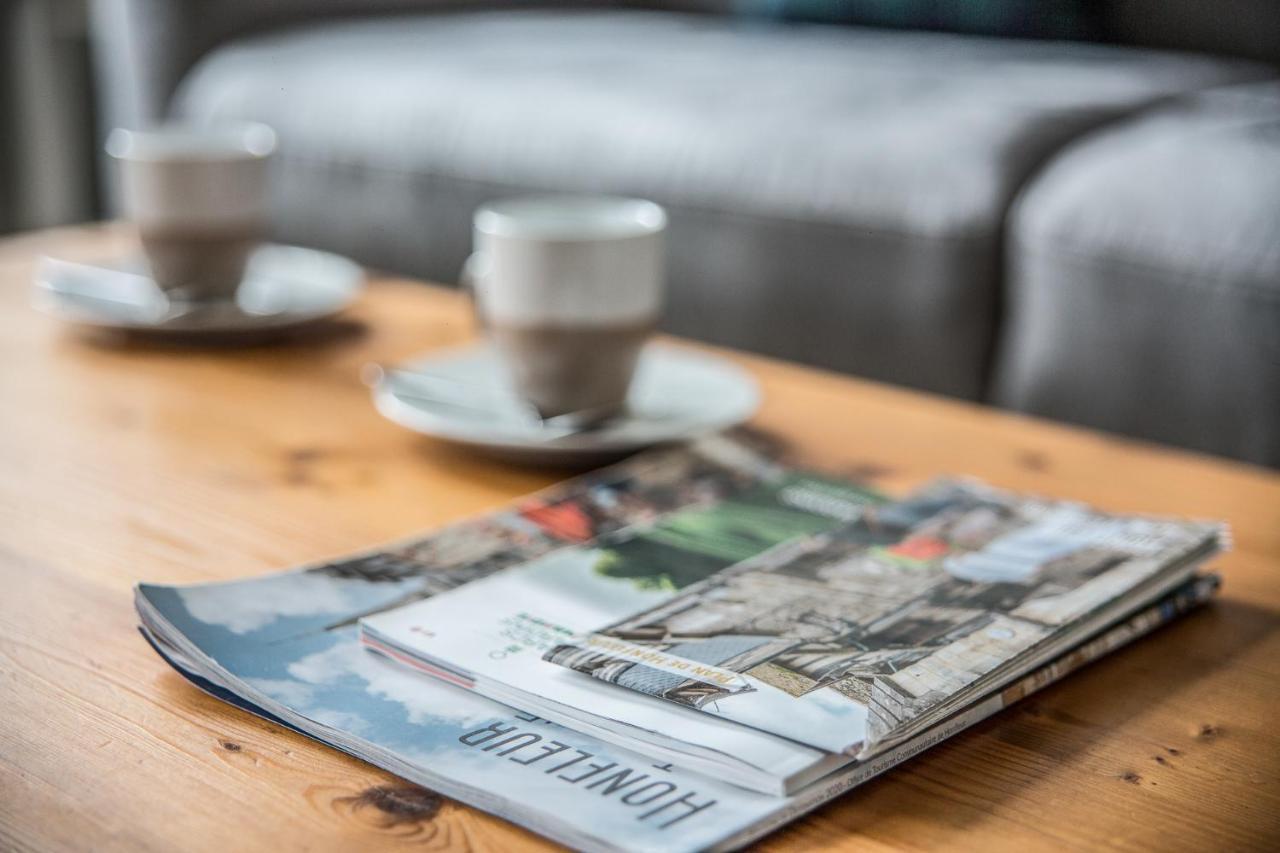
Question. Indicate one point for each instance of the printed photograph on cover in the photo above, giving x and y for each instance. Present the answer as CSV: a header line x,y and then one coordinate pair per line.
x,y
701,540
636,491
896,611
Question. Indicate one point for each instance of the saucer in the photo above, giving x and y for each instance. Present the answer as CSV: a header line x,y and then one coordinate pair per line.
x,y
284,287
677,394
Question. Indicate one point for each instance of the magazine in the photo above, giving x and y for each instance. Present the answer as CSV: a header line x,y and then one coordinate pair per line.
x,y
286,647
851,639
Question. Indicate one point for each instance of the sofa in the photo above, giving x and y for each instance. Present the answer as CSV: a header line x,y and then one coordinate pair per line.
x,y
1087,231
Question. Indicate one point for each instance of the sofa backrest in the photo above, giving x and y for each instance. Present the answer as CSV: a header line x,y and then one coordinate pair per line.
x,y
142,48
145,46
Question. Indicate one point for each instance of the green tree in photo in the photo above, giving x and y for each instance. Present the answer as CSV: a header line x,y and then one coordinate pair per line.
x,y
690,546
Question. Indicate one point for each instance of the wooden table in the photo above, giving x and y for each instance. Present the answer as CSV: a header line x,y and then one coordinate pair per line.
x,y
120,463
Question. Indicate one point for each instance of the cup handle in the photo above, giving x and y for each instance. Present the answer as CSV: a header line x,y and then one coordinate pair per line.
x,y
472,271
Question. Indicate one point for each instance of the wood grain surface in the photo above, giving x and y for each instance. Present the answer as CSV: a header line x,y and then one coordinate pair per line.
x,y
125,461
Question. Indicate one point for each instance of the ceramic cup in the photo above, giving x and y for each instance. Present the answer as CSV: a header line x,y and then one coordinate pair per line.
x,y
198,197
568,288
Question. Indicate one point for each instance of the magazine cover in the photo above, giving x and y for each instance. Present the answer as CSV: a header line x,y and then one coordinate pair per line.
x,y
268,646
847,637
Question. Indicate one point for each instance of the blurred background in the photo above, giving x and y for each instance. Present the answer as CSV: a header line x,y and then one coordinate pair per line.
x,y
48,126
1064,207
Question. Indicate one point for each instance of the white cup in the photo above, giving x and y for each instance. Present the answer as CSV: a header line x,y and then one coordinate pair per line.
x,y
198,197
568,288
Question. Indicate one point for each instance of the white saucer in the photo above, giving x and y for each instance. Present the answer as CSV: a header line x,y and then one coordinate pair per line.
x,y
284,287
677,394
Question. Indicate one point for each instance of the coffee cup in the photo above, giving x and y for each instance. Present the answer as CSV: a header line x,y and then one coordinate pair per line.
x,y
568,289
198,197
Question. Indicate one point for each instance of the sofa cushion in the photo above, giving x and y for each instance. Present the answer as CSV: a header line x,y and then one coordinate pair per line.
x,y
837,194
1144,292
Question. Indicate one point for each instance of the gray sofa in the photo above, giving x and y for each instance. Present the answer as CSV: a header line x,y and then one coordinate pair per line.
x,y
1143,278
1064,228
